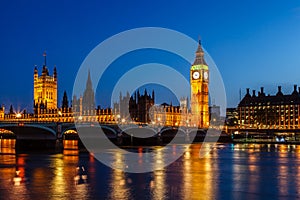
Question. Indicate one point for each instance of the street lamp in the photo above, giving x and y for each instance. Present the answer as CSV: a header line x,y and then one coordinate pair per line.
x,y
158,119
59,115
18,115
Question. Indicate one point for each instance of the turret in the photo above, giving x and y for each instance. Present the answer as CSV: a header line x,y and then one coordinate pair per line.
x,y
120,97
253,93
153,95
279,91
295,92
248,92
35,74
55,73
65,101
138,94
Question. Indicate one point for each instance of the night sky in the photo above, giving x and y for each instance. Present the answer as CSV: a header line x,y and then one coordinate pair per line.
x,y
253,43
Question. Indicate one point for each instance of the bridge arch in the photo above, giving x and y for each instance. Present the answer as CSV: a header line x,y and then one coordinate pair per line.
x,y
111,132
196,131
141,132
30,131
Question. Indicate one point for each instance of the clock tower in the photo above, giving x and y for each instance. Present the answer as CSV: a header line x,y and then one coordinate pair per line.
x,y
199,79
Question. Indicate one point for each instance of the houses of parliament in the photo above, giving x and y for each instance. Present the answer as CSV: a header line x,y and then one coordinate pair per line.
x,y
138,108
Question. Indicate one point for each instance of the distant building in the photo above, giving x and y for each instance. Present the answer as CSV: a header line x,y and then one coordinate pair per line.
x,y
136,107
169,115
265,111
142,108
65,101
232,117
214,113
88,99
45,89
2,112
84,107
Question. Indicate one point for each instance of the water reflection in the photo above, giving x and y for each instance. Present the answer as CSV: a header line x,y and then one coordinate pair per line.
x,y
241,171
71,172
158,183
12,170
198,174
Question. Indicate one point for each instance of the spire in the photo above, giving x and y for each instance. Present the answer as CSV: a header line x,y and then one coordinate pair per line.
x,y
88,100
89,82
45,58
55,72
199,55
153,95
65,101
35,70
11,110
45,71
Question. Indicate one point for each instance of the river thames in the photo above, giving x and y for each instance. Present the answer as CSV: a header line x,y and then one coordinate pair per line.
x,y
229,171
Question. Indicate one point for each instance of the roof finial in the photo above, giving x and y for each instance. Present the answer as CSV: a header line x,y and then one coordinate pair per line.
x,y
45,58
199,39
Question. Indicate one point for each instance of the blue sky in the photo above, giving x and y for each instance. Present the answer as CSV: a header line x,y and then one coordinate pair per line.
x,y
254,43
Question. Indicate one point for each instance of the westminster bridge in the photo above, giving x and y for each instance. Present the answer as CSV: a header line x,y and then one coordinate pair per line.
x,y
45,133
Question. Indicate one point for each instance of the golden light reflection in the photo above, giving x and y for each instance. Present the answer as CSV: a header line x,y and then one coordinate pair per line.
x,y
158,184
7,152
283,181
7,146
297,150
7,159
186,173
58,183
298,178
71,151
282,149
198,174
140,153
119,185
253,169
19,178
158,159
119,182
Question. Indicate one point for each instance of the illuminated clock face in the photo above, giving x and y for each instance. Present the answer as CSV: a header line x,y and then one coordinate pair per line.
x,y
205,75
196,75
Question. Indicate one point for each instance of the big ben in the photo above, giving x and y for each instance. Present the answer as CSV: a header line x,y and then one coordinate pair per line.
x,y
199,79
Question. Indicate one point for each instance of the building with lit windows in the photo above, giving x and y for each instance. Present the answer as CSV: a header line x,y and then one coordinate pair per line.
x,y
136,107
261,111
2,112
139,108
44,88
142,108
199,80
